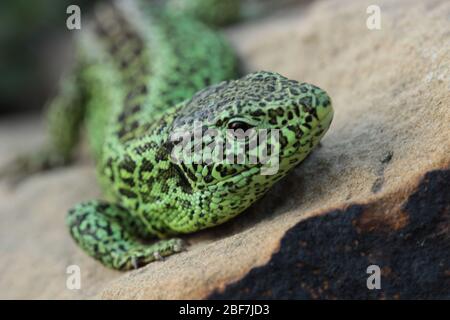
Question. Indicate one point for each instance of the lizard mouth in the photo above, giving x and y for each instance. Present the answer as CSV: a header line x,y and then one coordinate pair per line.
x,y
234,180
188,186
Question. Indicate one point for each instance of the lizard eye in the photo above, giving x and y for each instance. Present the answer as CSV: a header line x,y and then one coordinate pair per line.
x,y
235,125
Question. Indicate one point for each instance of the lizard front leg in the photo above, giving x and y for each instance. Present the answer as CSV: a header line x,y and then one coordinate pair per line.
x,y
110,234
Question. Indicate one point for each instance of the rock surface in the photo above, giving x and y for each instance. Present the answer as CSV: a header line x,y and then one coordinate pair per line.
x,y
362,198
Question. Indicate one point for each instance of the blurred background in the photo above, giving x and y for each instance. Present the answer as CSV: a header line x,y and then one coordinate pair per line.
x,y
36,45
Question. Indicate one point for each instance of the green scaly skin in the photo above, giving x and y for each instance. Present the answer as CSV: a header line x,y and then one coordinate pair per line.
x,y
135,84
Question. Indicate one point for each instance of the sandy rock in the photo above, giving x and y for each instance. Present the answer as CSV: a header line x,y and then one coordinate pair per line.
x,y
377,186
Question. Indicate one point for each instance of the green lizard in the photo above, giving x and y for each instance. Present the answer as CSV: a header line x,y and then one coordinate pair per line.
x,y
142,74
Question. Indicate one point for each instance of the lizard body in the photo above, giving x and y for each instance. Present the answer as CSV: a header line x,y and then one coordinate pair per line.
x,y
141,75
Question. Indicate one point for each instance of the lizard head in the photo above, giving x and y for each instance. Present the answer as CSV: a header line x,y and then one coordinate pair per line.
x,y
235,139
